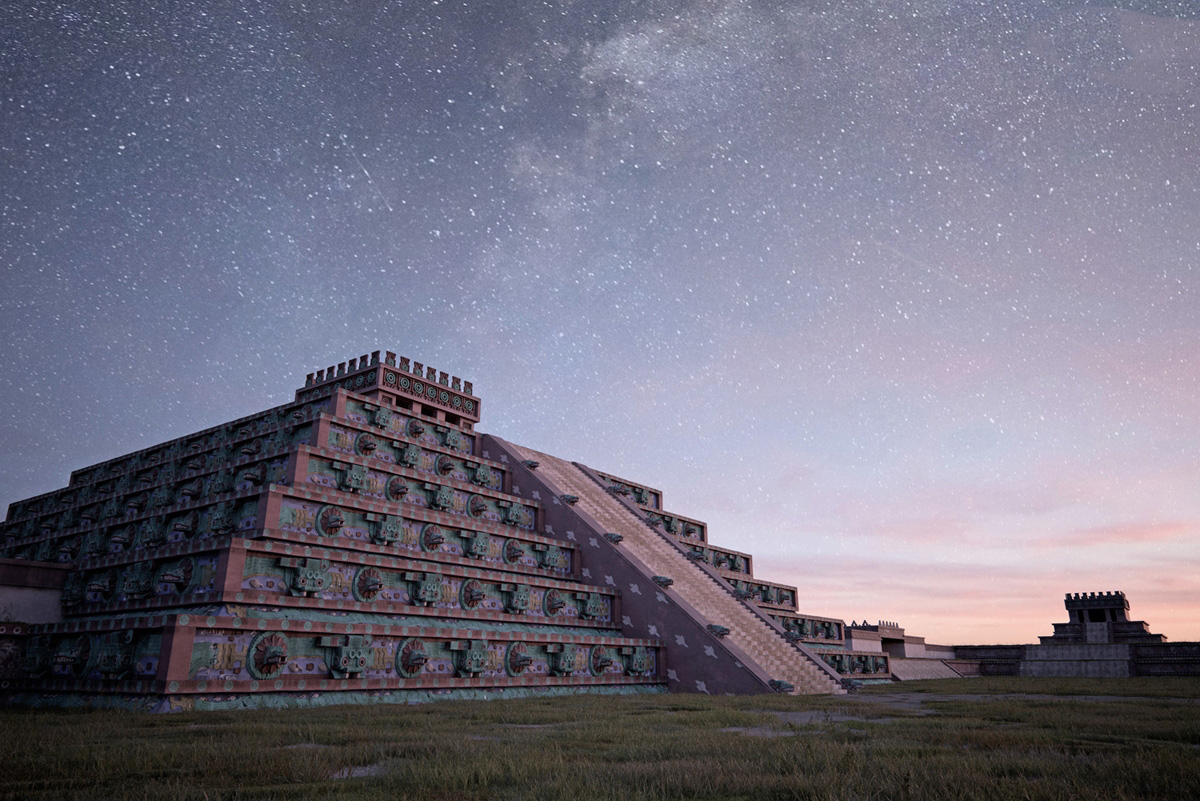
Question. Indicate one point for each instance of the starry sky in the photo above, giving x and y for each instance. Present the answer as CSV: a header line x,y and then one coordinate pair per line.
x,y
900,296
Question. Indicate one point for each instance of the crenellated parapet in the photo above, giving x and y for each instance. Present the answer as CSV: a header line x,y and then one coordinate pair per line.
x,y
400,383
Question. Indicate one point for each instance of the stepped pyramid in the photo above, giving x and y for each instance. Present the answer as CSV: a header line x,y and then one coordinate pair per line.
x,y
366,543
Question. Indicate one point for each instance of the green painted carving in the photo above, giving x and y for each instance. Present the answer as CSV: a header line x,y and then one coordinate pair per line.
x,y
73,656
382,417
516,659
471,594
178,576
564,658
222,482
720,632
74,590
414,428
780,686
476,544
330,521
162,497
45,551
516,598
444,465
306,576
37,660
220,519
190,490
599,659
593,605
349,655
442,496
102,585
515,515
699,554
353,478
266,655
254,475
387,530
114,656
552,602
662,581
636,659
410,455
411,657
691,530
137,581
185,524
112,509
550,558
470,657
151,534
452,439
365,444
424,588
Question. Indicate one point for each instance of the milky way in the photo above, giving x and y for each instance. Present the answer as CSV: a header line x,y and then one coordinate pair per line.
x,y
900,296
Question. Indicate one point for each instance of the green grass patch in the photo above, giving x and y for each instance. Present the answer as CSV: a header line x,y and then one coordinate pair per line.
x,y
1029,742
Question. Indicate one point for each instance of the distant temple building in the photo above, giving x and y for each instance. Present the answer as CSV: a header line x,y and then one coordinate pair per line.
x,y
1099,640
1100,618
366,543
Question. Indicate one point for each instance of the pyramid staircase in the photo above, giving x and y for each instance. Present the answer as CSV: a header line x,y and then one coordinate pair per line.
x,y
714,602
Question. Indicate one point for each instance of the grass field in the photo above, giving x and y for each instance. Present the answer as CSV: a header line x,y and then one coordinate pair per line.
x,y
970,739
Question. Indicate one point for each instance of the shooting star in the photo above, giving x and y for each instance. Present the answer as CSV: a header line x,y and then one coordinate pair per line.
x,y
370,180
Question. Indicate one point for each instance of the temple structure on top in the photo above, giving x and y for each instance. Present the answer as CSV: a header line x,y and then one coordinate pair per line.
x,y
367,543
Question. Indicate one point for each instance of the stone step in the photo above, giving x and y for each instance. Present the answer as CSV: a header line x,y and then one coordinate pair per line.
x,y
712,599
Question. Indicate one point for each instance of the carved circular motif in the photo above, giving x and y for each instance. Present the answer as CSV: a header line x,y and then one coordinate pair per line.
x,y
330,521
552,602
598,660
404,382
266,655
418,387
389,378
516,659
444,396
432,537
411,657
513,551
471,594
359,381
371,377
368,581
476,506
431,392
397,488
444,464
470,405
365,444
457,401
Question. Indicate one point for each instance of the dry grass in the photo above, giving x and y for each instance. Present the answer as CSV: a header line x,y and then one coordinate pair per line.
x,y
996,746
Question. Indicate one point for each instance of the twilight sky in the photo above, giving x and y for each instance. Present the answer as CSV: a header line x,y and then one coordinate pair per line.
x,y
901,296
